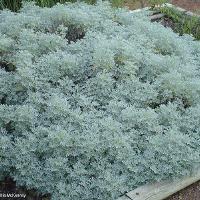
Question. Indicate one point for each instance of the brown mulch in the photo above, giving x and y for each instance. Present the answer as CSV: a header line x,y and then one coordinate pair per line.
x,y
191,5
190,193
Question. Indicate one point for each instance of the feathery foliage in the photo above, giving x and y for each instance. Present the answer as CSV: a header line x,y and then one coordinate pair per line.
x,y
95,101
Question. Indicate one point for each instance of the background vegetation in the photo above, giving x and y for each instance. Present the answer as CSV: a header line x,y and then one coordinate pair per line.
x,y
182,23
16,4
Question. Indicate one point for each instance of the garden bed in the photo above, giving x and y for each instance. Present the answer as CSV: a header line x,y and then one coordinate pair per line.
x,y
97,103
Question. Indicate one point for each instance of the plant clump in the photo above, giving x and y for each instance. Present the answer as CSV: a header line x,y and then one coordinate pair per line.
x,y
95,114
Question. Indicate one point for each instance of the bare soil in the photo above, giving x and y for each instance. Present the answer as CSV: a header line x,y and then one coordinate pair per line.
x,y
192,5
190,193
8,187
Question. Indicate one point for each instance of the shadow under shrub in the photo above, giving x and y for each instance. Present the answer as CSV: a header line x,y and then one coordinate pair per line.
x,y
114,108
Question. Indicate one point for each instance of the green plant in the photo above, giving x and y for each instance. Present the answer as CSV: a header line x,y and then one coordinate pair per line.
x,y
154,3
95,101
13,5
117,3
183,24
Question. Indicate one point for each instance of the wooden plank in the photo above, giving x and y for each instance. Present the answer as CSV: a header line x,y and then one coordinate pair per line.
x,y
192,14
156,17
160,191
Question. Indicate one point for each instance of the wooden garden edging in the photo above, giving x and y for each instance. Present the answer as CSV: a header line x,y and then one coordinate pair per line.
x,y
160,191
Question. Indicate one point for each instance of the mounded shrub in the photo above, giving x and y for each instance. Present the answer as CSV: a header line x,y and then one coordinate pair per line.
x,y
95,101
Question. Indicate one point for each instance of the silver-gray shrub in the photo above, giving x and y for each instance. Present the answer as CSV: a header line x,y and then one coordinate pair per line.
x,y
95,101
